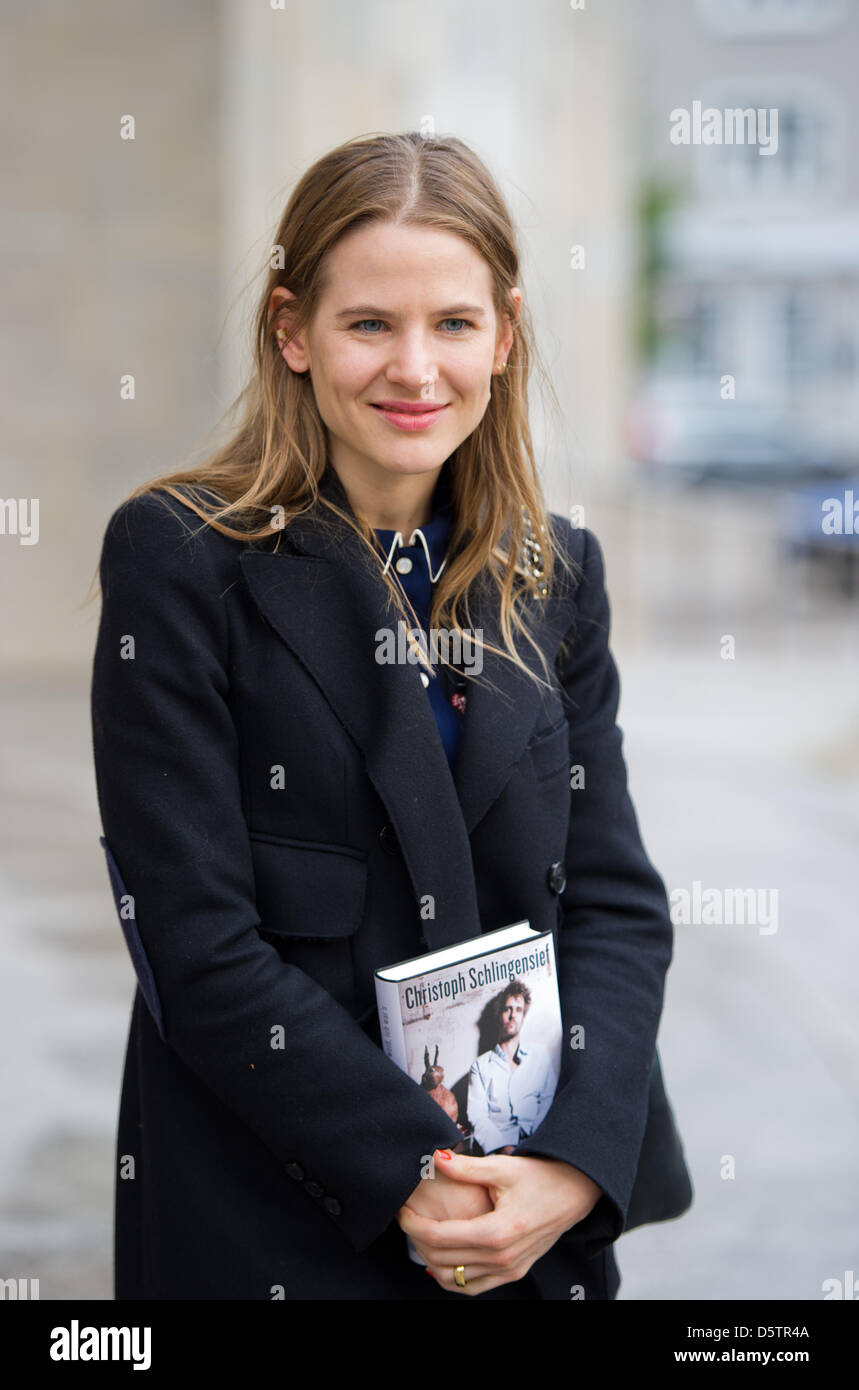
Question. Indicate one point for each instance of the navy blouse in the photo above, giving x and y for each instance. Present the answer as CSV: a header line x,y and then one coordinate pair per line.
x,y
416,579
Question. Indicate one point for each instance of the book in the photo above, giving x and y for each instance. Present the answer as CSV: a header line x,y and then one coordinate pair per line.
x,y
478,1026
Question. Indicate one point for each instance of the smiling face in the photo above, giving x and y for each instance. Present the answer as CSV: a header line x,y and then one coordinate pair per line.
x,y
401,349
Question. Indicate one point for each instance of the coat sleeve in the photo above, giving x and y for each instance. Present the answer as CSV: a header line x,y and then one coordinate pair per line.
x,y
615,940
327,1101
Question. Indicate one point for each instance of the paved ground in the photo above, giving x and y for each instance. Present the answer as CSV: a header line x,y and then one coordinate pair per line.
x,y
745,774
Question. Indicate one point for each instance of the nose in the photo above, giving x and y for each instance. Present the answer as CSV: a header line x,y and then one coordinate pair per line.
x,y
411,363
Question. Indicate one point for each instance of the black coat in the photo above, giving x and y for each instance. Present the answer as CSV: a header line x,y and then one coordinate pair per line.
x,y
276,806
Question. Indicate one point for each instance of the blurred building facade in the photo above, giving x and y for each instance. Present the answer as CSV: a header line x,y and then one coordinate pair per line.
x,y
151,249
757,251
109,258
147,235
545,96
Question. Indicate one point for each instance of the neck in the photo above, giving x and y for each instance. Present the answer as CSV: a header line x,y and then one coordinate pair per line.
x,y
390,501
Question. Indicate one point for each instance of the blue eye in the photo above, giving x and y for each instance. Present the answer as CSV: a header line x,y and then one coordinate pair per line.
x,y
361,325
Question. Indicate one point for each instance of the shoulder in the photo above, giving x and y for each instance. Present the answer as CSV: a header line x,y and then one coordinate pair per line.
x,y
578,543
165,574
582,576
157,533
159,518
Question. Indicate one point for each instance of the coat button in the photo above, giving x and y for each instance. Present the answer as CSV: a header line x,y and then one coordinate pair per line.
x,y
557,878
388,839
332,1206
314,1188
295,1170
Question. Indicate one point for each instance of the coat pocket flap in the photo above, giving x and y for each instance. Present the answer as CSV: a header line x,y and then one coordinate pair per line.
x,y
550,751
306,890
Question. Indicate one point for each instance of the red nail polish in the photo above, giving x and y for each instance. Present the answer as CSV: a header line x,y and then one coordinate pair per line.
x,y
444,1153
429,1272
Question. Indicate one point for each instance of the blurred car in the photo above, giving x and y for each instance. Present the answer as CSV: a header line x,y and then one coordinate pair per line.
x,y
820,524
676,436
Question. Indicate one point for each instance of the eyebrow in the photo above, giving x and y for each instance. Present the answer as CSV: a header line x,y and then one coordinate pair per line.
x,y
370,311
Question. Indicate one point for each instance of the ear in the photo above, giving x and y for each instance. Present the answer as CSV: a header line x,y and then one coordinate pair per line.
x,y
504,341
293,350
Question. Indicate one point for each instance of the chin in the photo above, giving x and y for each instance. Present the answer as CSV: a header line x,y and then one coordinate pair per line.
x,y
412,467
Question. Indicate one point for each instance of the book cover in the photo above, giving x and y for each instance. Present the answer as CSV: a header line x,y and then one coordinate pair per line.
x,y
478,1026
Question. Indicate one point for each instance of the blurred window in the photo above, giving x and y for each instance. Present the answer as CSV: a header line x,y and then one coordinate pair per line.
x,y
807,158
815,341
799,335
690,329
771,18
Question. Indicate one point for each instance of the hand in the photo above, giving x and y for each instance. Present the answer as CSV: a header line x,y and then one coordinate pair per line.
x,y
534,1201
440,1198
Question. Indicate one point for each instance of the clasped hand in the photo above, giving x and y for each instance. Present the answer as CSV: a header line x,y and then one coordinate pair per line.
x,y
495,1215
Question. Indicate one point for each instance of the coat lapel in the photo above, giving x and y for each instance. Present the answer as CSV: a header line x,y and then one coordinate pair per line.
x,y
323,597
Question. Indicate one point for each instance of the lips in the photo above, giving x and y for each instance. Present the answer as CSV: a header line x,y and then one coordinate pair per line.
x,y
409,407
410,416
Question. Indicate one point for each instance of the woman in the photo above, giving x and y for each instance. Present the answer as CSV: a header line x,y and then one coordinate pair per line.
x,y
285,811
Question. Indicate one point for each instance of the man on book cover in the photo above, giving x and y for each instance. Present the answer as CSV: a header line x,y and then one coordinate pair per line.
x,y
511,1086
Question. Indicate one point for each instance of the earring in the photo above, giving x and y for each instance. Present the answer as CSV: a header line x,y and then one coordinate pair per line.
x,y
500,370
280,335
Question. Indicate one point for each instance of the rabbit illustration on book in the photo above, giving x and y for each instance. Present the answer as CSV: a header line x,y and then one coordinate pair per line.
x,y
433,1081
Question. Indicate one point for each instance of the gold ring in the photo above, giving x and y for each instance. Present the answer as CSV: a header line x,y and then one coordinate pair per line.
x,y
459,1276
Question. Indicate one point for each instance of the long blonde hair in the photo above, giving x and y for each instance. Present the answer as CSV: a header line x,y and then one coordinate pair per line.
x,y
273,463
